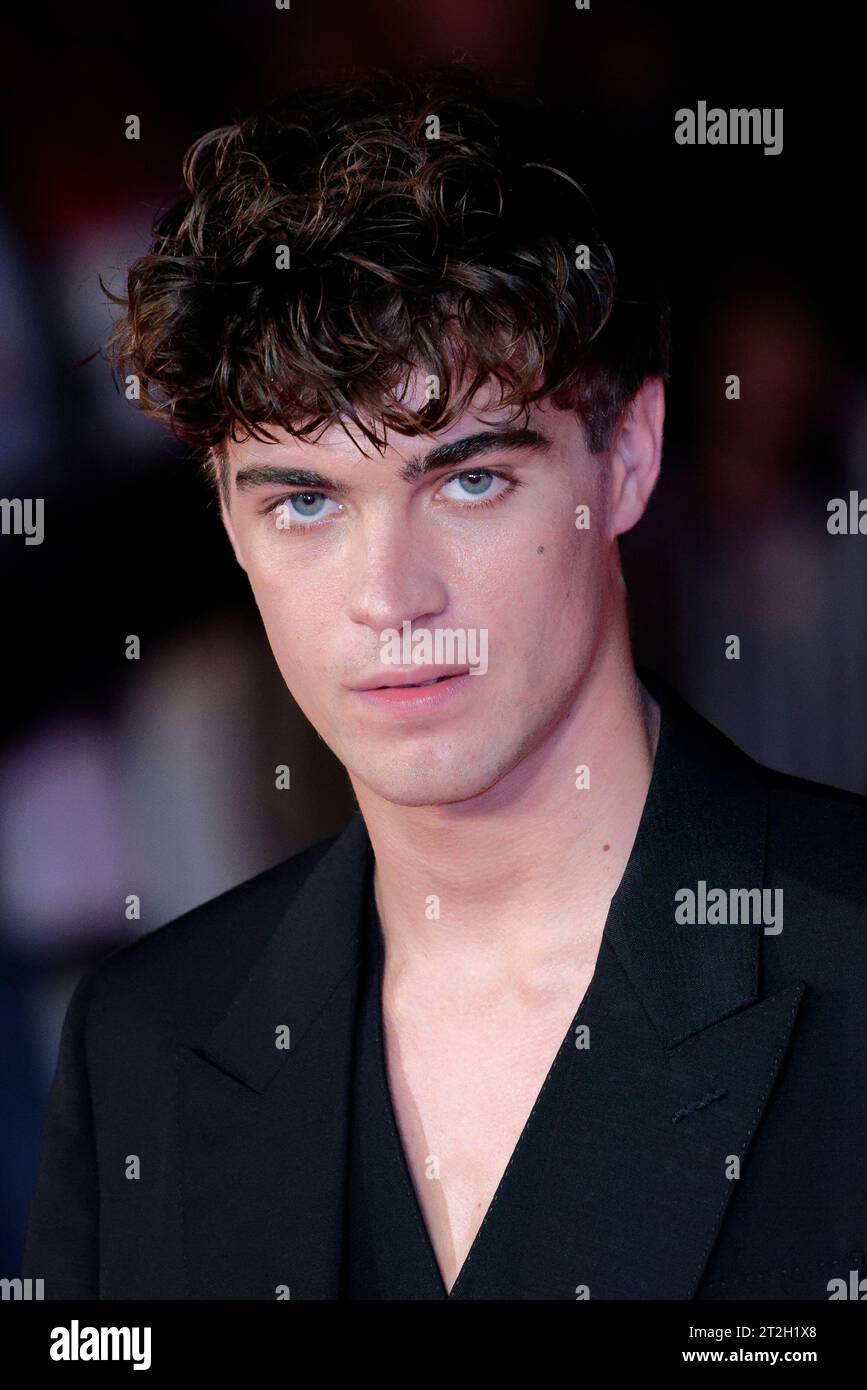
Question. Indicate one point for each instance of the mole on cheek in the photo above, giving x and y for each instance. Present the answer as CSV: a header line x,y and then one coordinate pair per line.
x,y
540,549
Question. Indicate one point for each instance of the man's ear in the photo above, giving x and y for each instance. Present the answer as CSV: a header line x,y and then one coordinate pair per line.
x,y
636,455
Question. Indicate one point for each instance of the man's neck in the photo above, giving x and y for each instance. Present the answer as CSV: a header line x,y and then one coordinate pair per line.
x,y
522,875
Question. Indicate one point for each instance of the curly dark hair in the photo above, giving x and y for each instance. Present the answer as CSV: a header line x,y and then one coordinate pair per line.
x,y
347,235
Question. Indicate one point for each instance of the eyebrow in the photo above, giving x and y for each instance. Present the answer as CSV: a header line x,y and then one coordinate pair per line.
x,y
471,446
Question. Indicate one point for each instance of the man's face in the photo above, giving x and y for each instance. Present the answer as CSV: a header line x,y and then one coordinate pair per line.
x,y
356,570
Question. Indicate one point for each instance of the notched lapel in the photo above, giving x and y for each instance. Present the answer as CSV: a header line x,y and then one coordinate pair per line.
x,y
642,1162
263,1129
665,1103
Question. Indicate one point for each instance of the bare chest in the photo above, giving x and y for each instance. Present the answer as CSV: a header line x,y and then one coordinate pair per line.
x,y
463,1087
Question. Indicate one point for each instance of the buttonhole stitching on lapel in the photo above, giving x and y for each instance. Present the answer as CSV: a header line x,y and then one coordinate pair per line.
x,y
700,1104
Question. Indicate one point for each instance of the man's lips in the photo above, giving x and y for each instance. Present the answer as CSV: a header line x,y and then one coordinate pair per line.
x,y
419,676
410,699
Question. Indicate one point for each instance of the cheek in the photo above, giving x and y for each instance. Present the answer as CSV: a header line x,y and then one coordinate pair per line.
x,y
547,605
545,570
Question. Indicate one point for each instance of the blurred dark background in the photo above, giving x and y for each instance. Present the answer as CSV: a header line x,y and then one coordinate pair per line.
x,y
156,777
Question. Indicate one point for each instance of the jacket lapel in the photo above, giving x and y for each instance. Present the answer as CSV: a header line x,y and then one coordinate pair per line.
x,y
264,1129
683,1052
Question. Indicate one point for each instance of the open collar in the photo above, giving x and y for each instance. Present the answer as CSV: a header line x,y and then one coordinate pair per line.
x,y
683,1056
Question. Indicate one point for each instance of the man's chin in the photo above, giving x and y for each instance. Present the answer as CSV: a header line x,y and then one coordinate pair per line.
x,y
423,786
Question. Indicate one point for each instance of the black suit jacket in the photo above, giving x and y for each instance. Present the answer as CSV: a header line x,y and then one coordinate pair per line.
x,y
710,1046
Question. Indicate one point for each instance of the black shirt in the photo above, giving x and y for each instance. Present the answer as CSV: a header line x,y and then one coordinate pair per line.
x,y
387,1250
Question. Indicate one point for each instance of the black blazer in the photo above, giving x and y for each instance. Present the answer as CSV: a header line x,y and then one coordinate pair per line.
x,y
710,1045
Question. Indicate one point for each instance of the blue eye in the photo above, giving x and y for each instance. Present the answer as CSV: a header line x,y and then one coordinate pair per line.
x,y
476,482
299,509
307,503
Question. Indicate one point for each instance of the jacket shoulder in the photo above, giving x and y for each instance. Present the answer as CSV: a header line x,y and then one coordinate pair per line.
x,y
190,969
818,834
816,856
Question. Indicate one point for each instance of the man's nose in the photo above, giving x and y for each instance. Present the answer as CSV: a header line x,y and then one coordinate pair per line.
x,y
395,578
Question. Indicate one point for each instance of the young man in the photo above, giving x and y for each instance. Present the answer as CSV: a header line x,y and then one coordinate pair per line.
x,y
573,1007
